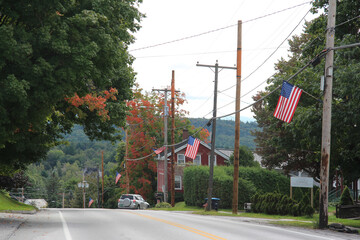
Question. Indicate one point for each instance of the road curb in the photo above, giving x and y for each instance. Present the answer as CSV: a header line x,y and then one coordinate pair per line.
x,y
19,211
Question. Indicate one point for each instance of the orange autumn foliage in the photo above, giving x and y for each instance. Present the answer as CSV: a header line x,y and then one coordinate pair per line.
x,y
94,102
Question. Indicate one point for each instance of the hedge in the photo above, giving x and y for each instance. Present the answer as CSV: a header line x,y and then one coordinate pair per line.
x,y
196,183
276,203
264,180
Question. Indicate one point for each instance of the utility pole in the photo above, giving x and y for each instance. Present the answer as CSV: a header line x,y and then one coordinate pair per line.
x,y
97,186
213,132
126,161
173,139
237,124
63,199
326,121
84,188
102,178
165,142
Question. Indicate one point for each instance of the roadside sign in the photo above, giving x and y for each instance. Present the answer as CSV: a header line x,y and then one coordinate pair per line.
x,y
305,182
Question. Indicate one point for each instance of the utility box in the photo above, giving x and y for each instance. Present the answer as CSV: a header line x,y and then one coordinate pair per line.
x,y
247,207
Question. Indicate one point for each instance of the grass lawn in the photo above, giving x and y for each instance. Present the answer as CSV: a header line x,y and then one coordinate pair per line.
x,y
8,204
307,222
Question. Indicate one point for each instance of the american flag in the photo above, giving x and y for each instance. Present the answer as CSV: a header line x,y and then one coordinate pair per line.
x,y
288,101
118,175
159,150
192,147
91,201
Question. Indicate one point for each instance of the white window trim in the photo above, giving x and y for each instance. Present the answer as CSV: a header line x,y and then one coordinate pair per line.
x,y
197,155
179,177
180,154
215,160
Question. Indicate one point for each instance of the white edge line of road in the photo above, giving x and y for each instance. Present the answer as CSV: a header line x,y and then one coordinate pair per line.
x,y
287,230
65,227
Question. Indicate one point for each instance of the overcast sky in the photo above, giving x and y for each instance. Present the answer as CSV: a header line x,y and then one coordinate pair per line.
x,y
180,22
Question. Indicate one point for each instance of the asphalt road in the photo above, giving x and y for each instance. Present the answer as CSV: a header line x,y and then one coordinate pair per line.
x,y
95,224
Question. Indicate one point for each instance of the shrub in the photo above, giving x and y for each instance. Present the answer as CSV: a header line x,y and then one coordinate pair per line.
x,y
345,198
264,180
276,203
196,184
163,205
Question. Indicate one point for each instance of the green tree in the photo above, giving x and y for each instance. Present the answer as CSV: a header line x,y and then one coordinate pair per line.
x,y
53,191
296,146
246,157
51,52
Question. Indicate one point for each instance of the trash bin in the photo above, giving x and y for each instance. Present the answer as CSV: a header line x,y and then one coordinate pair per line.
x,y
215,202
159,197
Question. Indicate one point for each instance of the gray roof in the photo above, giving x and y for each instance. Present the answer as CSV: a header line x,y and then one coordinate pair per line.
x,y
183,144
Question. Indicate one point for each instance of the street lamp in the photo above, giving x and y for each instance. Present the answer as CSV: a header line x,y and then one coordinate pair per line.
x,y
83,185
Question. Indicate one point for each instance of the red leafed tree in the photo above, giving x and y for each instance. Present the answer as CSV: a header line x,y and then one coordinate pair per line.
x,y
93,101
145,126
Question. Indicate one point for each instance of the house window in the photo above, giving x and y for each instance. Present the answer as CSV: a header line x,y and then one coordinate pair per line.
x,y
197,160
215,162
177,182
181,159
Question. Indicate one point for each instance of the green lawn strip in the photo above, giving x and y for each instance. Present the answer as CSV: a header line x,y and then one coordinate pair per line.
x,y
295,224
8,204
180,206
303,221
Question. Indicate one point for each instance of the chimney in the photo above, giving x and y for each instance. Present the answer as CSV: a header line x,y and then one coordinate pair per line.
x,y
185,134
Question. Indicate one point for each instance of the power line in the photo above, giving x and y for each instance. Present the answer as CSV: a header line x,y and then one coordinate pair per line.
x,y
256,69
218,29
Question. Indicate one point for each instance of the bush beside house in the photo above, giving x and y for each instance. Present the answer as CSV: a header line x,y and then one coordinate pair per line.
x,y
276,203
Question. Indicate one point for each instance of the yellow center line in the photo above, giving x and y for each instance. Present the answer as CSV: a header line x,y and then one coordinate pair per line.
x,y
190,229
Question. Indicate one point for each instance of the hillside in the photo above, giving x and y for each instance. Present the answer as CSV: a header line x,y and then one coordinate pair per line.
x,y
8,204
225,132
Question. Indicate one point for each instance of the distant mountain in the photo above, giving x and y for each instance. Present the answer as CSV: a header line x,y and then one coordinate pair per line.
x,y
225,132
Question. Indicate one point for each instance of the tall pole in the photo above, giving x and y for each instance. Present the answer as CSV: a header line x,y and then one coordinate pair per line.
x,y
126,161
83,186
102,179
237,124
173,139
97,185
165,140
213,132
326,121
166,148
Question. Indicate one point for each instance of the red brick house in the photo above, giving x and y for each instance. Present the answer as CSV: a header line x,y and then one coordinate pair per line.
x,y
202,158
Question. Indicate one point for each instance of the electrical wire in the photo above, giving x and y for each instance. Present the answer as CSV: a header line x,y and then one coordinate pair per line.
x,y
218,29
256,69
321,54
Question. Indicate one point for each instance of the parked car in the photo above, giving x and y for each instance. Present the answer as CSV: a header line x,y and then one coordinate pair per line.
x,y
132,201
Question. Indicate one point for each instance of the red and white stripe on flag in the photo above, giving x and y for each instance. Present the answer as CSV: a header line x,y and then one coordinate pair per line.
x,y
288,102
192,147
118,176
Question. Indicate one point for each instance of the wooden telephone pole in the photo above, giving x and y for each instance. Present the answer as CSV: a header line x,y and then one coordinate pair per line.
x,y
166,113
326,121
213,131
102,178
173,139
237,124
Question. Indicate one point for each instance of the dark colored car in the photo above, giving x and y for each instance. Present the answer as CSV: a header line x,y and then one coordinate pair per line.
x,y
132,201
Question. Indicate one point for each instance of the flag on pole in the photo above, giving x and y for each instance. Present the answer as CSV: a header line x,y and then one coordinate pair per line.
x,y
91,201
192,147
118,175
288,101
159,150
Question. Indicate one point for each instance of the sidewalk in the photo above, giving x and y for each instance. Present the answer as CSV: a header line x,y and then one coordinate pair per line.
x,y
10,222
